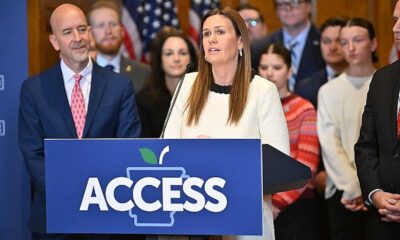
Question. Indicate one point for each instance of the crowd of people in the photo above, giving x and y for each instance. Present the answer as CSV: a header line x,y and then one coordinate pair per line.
x,y
312,93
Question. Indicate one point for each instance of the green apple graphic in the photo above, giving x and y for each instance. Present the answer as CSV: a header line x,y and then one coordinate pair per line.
x,y
150,157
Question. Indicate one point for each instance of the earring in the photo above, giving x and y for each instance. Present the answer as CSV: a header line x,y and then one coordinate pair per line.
x,y
241,52
205,58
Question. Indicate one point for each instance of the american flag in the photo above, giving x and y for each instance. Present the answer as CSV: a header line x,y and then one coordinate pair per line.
x,y
142,19
198,8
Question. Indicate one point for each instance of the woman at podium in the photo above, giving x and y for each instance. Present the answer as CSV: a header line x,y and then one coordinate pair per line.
x,y
225,100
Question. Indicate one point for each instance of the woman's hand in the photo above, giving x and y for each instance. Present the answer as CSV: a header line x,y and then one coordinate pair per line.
x,y
275,211
356,204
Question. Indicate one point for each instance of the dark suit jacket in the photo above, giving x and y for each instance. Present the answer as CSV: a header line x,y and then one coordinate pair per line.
x,y
308,88
311,60
136,71
378,148
152,113
45,113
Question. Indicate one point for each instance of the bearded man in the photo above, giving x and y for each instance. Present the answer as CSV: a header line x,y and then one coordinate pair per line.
x,y
108,34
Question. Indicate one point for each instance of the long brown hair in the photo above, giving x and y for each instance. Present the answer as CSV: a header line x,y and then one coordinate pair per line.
x,y
155,86
241,81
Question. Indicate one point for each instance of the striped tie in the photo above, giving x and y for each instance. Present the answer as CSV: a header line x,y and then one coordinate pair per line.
x,y
295,63
78,106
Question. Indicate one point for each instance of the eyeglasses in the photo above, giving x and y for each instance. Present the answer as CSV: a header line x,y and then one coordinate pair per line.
x,y
103,25
252,21
289,5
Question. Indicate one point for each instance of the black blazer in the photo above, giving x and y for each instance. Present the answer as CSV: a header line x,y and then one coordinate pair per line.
x,y
309,87
45,113
311,60
152,113
377,151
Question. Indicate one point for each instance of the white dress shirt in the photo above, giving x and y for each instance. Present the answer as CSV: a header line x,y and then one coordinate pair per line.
x,y
115,62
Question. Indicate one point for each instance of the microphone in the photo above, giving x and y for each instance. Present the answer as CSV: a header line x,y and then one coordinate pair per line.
x,y
189,68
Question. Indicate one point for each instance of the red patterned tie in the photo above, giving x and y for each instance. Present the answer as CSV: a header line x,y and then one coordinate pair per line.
x,y
78,106
398,124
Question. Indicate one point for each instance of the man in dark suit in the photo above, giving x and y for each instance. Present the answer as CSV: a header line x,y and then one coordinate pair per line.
x,y
105,19
333,57
297,34
378,149
74,99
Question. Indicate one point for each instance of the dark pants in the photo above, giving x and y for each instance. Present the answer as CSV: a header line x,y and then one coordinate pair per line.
x,y
43,236
375,228
344,224
300,220
323,217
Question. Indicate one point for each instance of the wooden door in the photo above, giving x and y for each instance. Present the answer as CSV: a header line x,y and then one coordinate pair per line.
x,y
41,53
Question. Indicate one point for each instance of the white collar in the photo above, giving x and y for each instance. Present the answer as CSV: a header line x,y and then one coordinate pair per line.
x,y
68,74
115,62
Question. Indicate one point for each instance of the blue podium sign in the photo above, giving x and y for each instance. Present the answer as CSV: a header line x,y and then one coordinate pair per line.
x,y
154,186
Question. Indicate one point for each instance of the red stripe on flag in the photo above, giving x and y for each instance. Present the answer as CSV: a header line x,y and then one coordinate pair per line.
x,y
193,34
128,44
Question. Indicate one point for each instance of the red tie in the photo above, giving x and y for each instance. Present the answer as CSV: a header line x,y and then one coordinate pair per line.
x,y
398,124
78,106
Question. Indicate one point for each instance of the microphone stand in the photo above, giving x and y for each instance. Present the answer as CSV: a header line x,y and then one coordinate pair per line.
x,y
188,68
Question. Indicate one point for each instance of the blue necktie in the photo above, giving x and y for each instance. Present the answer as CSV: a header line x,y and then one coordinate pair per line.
x,y
109,67
295,61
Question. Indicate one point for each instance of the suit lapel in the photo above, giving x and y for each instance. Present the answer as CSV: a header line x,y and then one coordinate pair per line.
x,y
312,42
279,37
323,77
58,97
123,65
96,92
126,67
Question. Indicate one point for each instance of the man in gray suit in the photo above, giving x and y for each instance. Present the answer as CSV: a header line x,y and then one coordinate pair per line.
x,y
107,32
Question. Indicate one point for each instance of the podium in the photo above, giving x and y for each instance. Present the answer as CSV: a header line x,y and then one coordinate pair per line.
x,y
162,186
281,172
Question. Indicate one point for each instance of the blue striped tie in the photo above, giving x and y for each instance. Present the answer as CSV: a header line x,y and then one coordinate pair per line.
x,y
295,61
